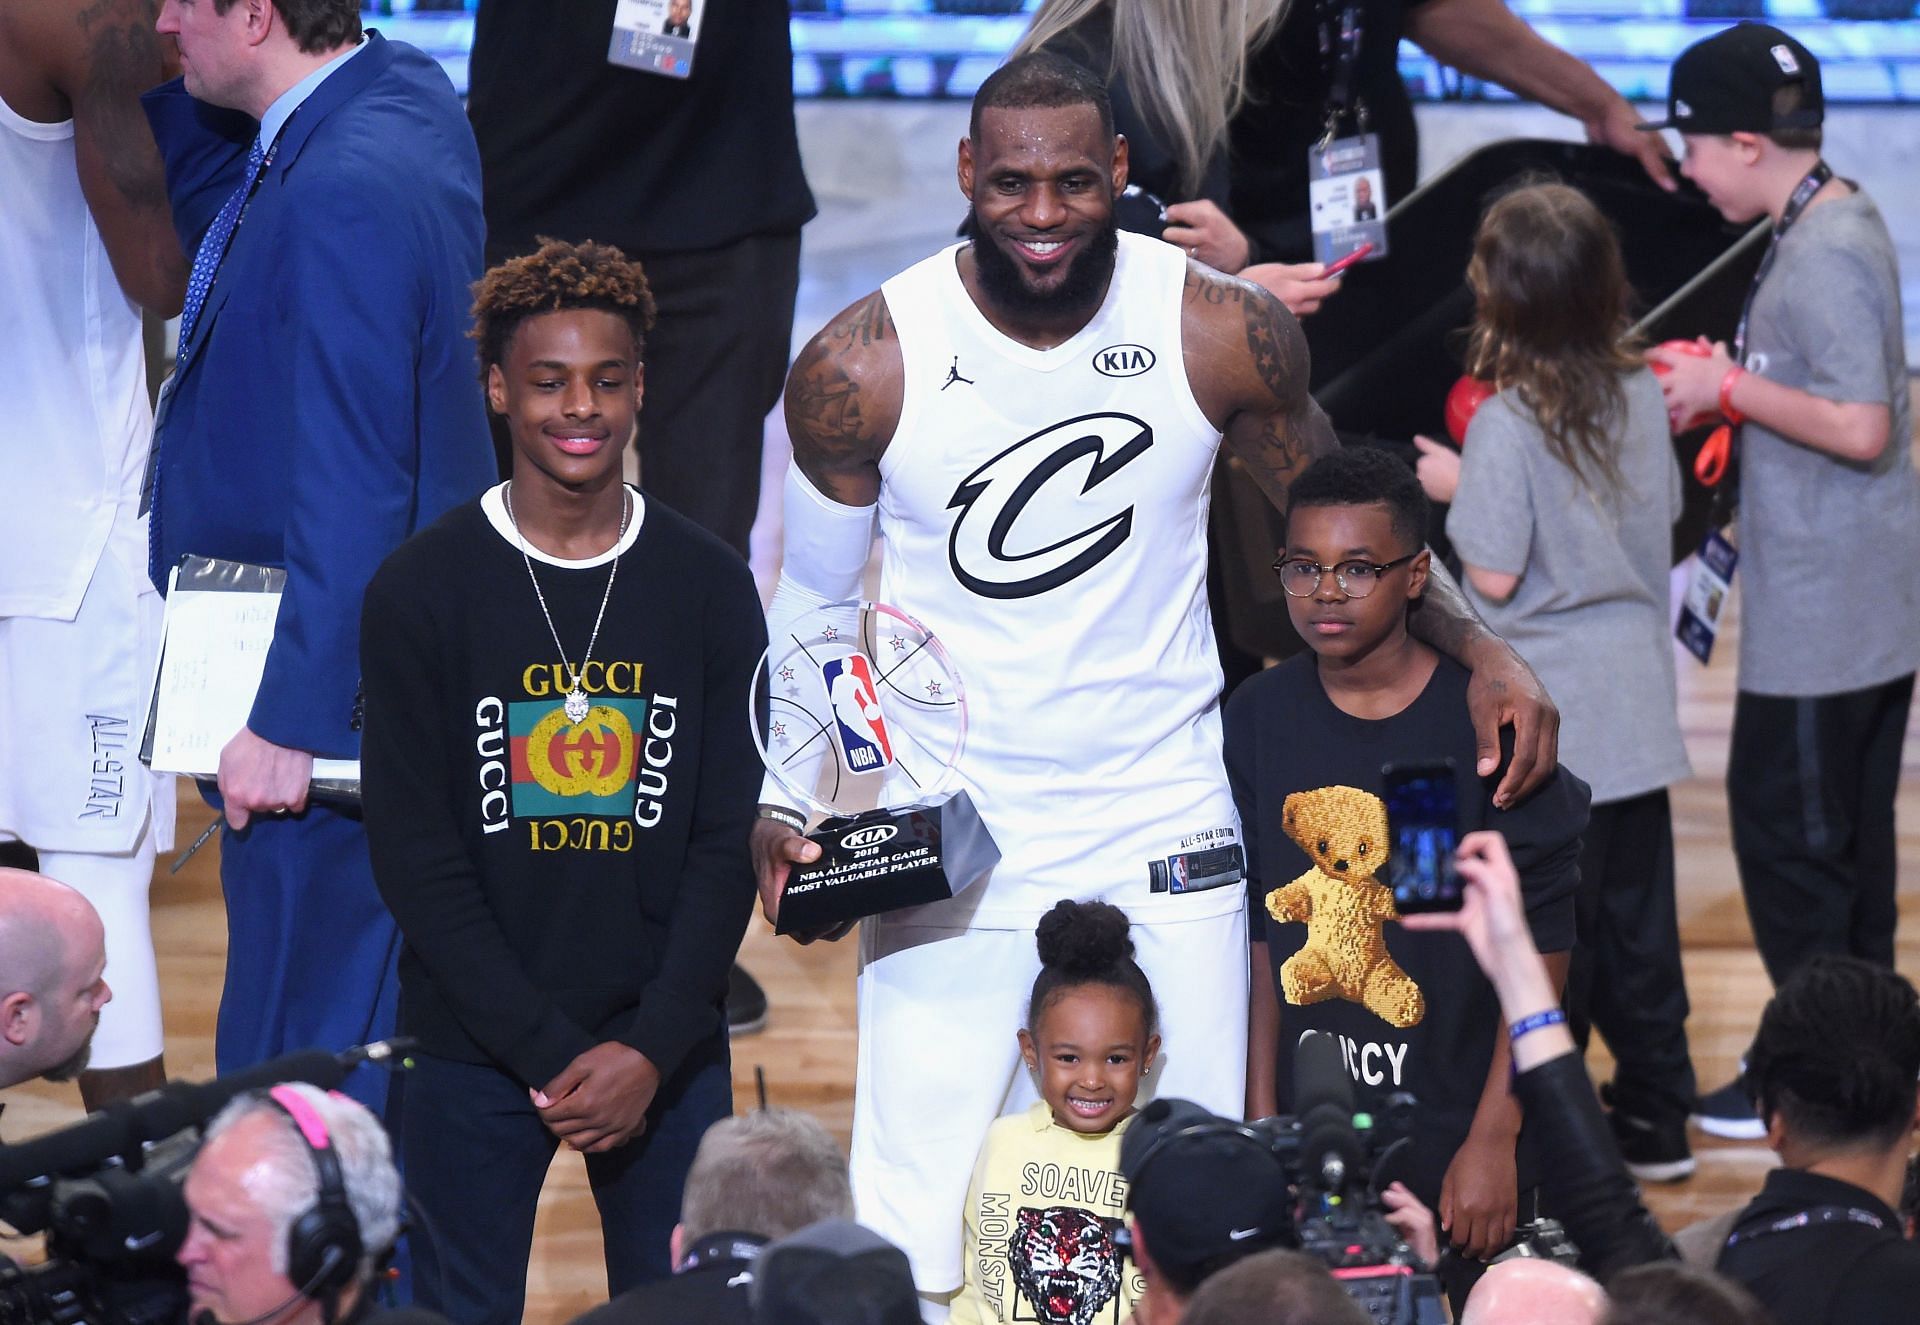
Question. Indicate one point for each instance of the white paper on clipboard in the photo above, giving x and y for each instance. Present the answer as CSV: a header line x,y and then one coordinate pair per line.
x,y
214,638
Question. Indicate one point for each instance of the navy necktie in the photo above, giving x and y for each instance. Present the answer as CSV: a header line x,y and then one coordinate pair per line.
x,y
213,246
206,265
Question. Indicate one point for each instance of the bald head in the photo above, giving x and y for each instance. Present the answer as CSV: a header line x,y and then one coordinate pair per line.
x,y
1534,1292
52,958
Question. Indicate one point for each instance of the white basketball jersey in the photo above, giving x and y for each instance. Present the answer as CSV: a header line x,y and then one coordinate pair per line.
x,y
74,421
1045,514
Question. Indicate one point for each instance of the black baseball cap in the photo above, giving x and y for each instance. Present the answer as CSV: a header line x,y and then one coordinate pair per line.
x,y
1726,83
834,1273
1204,1190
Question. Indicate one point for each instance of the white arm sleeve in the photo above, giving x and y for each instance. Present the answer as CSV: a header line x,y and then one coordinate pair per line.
x,y
825,554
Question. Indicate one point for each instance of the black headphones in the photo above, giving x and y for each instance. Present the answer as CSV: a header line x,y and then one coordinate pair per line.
x,y
323,1242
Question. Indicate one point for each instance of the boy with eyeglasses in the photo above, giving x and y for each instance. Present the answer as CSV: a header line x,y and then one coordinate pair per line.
x,y
1306,746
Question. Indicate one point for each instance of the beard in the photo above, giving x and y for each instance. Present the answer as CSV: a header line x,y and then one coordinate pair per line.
x,y
1003,281
75,1063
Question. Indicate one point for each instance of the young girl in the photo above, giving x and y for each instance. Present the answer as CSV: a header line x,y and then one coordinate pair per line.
x,y
1567,490
1047,1197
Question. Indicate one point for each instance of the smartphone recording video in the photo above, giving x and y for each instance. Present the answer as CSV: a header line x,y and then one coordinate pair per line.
x,y
1423,823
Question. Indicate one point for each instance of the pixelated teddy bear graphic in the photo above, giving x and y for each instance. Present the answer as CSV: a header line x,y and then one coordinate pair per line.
x,y
1343,830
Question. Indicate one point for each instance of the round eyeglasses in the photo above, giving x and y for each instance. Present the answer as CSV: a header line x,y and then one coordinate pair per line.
x,y
1302,578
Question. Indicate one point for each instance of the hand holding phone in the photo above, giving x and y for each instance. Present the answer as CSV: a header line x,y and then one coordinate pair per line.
x,y
1423,830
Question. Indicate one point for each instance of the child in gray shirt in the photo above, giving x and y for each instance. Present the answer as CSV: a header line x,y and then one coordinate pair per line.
x,y
1816,388
1563,517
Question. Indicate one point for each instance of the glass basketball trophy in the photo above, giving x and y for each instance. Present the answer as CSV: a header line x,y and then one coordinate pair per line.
x,y
861,718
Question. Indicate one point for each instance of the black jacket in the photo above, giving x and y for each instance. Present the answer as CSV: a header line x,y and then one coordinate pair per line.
x,y
1583,1181
712,1292
1839,1268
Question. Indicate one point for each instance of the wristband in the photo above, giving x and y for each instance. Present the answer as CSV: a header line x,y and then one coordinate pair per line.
x,y
781,816
1539,1020
1734,374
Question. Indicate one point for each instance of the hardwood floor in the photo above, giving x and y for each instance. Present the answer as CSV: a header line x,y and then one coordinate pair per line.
x,y
807,1051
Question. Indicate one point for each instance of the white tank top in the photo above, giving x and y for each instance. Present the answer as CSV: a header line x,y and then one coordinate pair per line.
x,y
1044,513
74,419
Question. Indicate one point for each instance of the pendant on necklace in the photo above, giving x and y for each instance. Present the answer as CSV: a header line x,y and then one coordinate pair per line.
x,y
576,705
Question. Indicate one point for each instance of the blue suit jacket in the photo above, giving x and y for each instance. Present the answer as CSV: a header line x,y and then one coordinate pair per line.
x,y
328,404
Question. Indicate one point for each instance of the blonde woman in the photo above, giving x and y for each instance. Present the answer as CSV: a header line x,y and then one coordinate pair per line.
x,y
1177,71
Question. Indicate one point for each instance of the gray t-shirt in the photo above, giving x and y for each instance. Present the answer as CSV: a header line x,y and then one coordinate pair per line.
x,y
1829,573
1590,612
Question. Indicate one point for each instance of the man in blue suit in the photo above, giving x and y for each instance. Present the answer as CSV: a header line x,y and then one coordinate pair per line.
x,y
325,406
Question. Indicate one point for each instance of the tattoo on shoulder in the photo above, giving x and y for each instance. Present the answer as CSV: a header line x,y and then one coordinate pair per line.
x,y
834,428
866,323
1206,286
1278,348
1278,430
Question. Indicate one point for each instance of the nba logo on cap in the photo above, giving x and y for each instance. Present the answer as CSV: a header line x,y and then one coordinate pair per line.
x,y
856,712
1784,58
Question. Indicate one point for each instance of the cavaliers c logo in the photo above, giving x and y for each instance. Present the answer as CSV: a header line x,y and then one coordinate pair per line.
x,y
1015,535
592,759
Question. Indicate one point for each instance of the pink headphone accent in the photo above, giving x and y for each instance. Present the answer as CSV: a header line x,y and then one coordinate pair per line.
x,y
304,1115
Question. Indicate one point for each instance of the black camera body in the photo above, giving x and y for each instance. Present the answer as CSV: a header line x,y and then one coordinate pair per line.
x,y
107,1193
1329,1153
111,1235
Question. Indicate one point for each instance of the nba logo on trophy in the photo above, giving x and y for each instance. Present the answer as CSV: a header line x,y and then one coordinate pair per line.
x,y
856,712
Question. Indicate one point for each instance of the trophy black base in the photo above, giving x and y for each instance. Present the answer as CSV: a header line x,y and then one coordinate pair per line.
x,y
883,860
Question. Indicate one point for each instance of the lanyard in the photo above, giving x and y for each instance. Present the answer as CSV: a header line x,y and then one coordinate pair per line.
x,y
1818,1215
1816,179
1340,30
1726,438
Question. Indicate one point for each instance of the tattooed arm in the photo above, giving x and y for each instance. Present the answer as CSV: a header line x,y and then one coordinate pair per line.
x,y
843,402
1247,360
1502,692
99,56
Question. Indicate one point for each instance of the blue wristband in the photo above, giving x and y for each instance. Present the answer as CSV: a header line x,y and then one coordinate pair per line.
x,y
1527,1025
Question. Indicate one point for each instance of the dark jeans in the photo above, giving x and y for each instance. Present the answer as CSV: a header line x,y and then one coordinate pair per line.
x,y
1625,979
476,1153
716,360
1810,787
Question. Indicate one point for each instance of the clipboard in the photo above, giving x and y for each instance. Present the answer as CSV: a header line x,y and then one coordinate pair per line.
x,y
214,637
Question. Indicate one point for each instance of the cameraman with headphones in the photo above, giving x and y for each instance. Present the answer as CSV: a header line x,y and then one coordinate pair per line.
x,y
294,1207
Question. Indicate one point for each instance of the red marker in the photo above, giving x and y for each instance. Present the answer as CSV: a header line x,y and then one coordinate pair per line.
x,y
1335,268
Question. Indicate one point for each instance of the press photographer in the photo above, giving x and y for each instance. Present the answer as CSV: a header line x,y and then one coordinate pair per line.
x,y
1205,1193
1833,1072
290,1206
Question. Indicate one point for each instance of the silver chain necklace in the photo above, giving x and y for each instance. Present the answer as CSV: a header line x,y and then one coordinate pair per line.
x,y
576,702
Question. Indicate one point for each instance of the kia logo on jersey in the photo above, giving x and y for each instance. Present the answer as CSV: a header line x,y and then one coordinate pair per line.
x,y
1122,360
856,712
1016,533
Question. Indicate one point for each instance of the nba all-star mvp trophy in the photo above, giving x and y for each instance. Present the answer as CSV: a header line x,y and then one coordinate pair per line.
x,y
861,718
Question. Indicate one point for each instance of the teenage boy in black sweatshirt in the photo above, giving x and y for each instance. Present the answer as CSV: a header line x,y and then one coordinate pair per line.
x,y
560,780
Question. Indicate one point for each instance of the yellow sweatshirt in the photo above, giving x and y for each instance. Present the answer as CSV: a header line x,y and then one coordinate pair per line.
x,y
1042,1211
